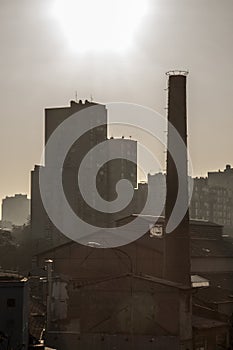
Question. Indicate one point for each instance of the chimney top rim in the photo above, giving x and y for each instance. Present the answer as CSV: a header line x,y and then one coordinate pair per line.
x,y
177,72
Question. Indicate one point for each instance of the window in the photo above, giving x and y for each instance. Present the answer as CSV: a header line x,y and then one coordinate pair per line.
x,y
11,302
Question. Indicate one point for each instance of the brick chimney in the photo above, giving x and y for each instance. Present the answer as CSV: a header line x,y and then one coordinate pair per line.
x,y
177,242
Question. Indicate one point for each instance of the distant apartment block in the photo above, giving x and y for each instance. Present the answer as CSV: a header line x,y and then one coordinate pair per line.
x,y
211,203
213,198
222,179
15,210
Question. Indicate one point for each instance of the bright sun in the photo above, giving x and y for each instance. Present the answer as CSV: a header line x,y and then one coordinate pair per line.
x,y
97,25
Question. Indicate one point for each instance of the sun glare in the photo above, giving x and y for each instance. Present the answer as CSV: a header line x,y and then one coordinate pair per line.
x,y
97,25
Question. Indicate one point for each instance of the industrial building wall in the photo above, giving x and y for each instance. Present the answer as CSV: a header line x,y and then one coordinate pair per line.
x,y
81,262
74,341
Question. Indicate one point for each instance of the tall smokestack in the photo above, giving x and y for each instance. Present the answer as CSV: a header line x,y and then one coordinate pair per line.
x,y
177,243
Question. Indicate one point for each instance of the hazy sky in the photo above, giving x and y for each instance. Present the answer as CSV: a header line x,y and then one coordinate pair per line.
x,y
39,69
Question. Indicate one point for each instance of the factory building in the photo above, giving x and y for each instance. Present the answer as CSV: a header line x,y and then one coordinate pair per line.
x,y
138,296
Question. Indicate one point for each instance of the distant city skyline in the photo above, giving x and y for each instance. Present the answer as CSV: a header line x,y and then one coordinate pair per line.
x,y
39,70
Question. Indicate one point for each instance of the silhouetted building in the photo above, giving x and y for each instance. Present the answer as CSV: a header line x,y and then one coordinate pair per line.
x,y
140,197
157,185
220,184
14,313
221,178
114,298
15,210
120,297
110,293
138,296
44,232
212,198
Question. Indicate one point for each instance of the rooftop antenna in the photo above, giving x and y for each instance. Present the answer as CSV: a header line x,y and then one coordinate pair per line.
x,y
76,96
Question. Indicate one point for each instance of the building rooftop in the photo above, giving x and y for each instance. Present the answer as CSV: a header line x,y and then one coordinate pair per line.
x,y
6,276
152,218
142,277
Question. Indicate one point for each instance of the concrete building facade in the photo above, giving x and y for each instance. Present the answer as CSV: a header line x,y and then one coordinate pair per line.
x,y
213,198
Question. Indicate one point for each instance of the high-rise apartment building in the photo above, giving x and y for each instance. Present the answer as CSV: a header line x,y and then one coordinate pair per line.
x,y
43,230
212,198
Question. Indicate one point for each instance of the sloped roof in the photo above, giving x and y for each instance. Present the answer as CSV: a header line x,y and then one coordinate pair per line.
x,y
11,276
142,277
37,318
